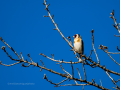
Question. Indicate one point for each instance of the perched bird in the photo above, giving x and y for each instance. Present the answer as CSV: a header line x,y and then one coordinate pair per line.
x,y
78,44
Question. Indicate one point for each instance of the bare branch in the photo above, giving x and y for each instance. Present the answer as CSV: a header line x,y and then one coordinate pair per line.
x,y
56,25
73,85
102,67
94,46
84,71
29,57
90,53
116,25
69,76
72,70
113,52
117,80
85,61
66,71
83,87
62,81
79,73
42,63
26,66
10,64
45,77
69,39
116,35
45,16
21,56
112,80
101,82
9,47
60,60
118,48
3,48
101,47
113,59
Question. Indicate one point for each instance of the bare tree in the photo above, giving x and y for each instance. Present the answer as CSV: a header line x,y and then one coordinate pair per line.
x,y
85,60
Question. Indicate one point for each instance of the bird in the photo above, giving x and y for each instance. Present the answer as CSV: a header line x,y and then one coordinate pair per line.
x,y
78,44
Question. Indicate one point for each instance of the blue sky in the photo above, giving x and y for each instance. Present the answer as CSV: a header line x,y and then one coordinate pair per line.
x,y
24,28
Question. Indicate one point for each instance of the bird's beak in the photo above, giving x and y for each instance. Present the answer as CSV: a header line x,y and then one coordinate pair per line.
x,y
73,36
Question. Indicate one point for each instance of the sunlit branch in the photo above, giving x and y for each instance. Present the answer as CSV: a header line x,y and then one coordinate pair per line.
x,y
3,48
113,80
69,75
94,46
10,64
60,74
79,73
56,25
73,85
60,60
108,53
10,47
45,77
102,67
116,25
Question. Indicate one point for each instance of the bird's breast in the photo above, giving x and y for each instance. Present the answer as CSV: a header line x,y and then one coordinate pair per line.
x,y
78,45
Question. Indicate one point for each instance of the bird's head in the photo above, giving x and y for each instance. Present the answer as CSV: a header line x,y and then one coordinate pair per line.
x,y
77,36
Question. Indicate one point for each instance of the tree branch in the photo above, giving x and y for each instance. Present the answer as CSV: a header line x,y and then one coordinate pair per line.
x,y
113,80
94,46
116,25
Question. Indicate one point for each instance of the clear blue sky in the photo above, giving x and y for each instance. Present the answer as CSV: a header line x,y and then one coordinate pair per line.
x,y
24,28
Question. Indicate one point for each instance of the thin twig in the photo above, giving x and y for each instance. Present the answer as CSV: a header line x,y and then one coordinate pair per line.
x,y
29,57
94,46
69,75
83,87
10,64
65,71
117,80
113,52
90,53
72,70
45,77
26,66
42,63
21,56
84,71
73,85
105,50
118,48
60,60
79,73
56,25
10,47
102,67
3,48
116,35
64,75
101,82
111,57
116,25
62,81
112,80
